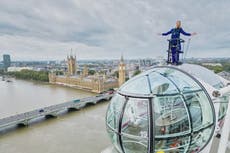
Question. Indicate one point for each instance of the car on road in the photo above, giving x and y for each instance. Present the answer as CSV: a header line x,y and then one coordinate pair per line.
x,y
41,110
76,100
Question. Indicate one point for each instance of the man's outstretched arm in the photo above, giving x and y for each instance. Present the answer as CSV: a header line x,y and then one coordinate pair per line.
x,y
167,33
185,33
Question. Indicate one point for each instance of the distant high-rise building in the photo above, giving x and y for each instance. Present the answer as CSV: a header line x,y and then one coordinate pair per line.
x,y
122,70
6,61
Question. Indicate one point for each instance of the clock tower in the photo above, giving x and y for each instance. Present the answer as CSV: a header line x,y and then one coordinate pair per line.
x,y
122,70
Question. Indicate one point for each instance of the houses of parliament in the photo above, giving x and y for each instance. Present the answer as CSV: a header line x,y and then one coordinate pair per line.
x,y
94,83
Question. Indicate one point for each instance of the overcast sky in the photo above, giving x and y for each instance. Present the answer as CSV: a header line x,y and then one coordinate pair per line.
x,y
104,29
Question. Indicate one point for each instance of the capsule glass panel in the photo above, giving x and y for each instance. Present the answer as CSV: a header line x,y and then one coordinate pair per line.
x,y
134,127
139,86
114,111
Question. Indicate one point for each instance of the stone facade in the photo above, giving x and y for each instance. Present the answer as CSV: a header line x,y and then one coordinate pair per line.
x,y
71,61
85,71
93,83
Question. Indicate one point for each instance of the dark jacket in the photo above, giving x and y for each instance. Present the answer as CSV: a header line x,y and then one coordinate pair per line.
x,y
176,33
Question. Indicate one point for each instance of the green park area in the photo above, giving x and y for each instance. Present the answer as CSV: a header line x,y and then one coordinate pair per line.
x,y
30,75
217,69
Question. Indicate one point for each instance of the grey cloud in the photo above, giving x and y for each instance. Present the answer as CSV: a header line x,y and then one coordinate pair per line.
x,y
99,29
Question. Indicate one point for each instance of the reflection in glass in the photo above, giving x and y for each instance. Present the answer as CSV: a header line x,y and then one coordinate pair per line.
x,y
131,145
114,138
134,127
173,145
161,85
199,139
114,111
171,122
200,110
139,86
184,83
170,115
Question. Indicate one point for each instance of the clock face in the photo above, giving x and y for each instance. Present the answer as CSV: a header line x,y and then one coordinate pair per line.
x,y
122,68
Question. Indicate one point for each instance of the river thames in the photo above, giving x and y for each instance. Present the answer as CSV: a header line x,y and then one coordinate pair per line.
x,y
77,132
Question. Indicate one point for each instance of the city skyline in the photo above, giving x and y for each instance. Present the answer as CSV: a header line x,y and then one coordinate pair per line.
x,y
105,30
63,59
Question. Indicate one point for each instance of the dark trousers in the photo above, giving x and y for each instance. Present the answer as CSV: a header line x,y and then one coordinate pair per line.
x,y
175,56
175,50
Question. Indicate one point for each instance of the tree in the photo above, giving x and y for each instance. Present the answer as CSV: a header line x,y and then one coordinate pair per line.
x,y
115,74
31,75
226,66
216,69
92,72
136,72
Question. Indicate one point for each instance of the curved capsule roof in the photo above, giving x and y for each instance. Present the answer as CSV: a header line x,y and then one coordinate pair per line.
x,y
203,73
162,80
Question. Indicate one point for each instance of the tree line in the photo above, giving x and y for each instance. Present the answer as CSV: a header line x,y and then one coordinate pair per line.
x,y
217,69
30,75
